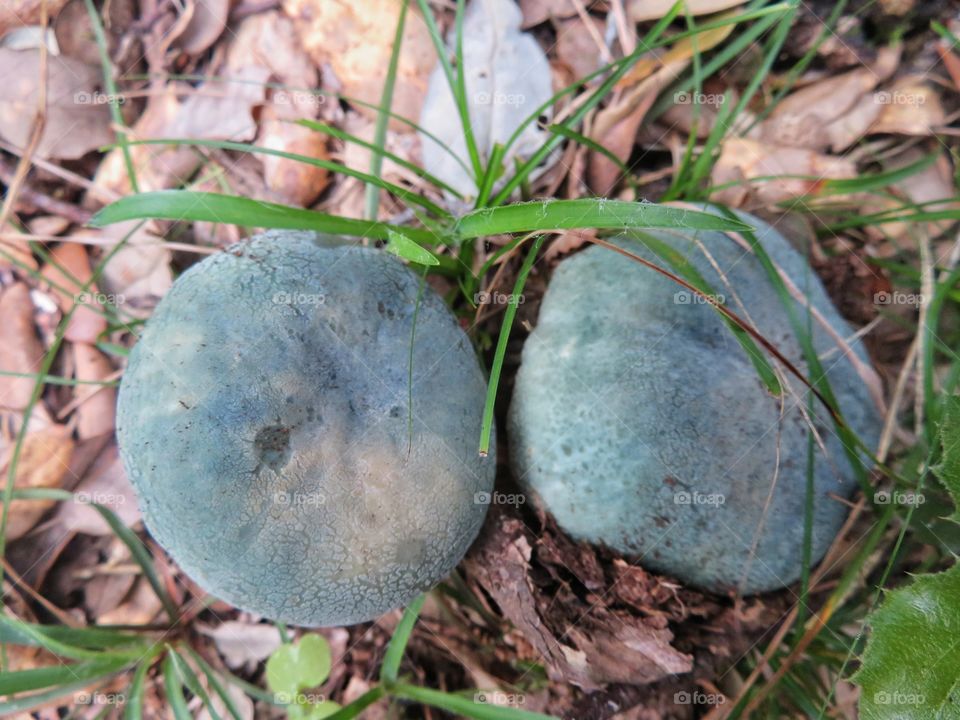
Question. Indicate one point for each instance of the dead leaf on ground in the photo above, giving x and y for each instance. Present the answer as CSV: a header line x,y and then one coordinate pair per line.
x,y
539,11
269,40
208,20
241,704
140,608
577,47
105,483
20,352
15,252
18,13
356,40
243,644
77,116
640,10
138,274
67,270
909,107
296,182
222,109
567,242
96,404
741,159
42,463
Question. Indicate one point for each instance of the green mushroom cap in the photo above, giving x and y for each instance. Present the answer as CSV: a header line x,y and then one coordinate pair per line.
x,y
265,421
641,423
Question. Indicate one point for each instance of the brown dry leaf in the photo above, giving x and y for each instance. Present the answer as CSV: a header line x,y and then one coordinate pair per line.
x,y
67,271
567,242
640,10
243,644
20,352
141,607
833,112
296,182
741,159
104,483
19,13
539,11
43,462
138,274
96,412
908,107
241,703
223,110
356,40
15,252
269,40
576,47
77,120
207,22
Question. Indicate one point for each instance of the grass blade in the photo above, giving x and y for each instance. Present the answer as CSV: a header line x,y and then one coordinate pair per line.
x,y
398,643
459,705
133,709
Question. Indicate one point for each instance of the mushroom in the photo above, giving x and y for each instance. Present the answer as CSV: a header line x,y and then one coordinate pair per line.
x,y
641,423
266,423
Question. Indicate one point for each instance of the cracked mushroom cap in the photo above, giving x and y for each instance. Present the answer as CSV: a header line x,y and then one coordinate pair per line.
x,y
264,420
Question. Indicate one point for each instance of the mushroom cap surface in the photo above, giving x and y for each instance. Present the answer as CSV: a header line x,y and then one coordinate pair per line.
x,y
264,421
642,424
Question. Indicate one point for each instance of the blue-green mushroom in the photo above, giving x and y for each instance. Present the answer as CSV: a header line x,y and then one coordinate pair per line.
x,y
641,423
266,423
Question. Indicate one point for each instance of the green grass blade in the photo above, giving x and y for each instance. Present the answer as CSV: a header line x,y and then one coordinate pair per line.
x,y
133,708
354,709
17,632
189,678
174,688
585,213
390,668
185,205
57,647
501,351
459,705
55,675
407,195
215,683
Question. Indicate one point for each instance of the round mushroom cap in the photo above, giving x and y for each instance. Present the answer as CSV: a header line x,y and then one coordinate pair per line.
x,y
266,423
641,423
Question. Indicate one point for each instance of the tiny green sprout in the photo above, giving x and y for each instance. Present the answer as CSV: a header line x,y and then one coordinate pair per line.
x,y
294,668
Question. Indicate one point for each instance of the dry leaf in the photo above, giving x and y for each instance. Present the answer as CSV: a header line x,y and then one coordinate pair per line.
x,y
67,271
18,13
138,274
908,107
42,463
15,252
77,117
356,40
741,159
96,411
241,703
20,351
222,109
140,607
539,11
269,40
576,46
640,10
105,483
243,644
207,23
295,182
499,98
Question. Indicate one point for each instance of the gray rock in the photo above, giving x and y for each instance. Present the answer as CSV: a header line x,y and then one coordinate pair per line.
x,y
263,420
641,423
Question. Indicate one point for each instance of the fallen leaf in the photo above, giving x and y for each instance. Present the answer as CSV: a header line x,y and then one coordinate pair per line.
x,y
498,97
241,703
138,274
222,109
741,159
140,608
908,107
640,10
105,483
269,40
15,252
96,409
576,47
207,22
20,352
67,270
539,11
356,40
77,117
18,13
296,182
243,644
43,462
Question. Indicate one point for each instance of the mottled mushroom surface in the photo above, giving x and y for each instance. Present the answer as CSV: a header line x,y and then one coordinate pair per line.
x,y
264,420
641,423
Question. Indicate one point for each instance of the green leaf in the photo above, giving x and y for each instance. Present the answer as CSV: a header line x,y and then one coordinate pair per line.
x,y
587,213
354,709
183,205
949,468
911,667
295,666
54,675
402,246
477,707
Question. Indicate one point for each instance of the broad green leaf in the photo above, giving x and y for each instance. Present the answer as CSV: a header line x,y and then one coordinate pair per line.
x,y
402,246
911,667
295,666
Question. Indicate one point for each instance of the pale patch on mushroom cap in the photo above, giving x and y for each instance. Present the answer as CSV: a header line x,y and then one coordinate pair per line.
x,y
264,421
